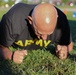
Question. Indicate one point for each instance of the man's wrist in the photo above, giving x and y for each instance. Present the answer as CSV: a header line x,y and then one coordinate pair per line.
x,y
12,56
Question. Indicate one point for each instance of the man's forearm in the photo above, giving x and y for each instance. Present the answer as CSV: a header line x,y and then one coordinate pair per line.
x,y
70,46
5,53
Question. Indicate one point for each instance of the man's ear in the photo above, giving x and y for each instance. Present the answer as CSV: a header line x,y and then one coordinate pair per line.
x,y
30,19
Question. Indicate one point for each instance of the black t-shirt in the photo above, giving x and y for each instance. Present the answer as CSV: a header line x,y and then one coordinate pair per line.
x,y
16,31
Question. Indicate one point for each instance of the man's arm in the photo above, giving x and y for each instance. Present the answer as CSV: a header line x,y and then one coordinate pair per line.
x,y
70,46
7,54
62,50
65,43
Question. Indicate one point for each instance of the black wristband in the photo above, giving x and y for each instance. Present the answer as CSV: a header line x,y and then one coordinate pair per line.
x,y
12,56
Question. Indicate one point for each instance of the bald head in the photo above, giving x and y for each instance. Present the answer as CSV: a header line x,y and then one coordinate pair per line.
x,y
45,17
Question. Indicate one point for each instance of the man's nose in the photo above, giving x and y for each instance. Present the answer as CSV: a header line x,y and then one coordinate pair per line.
x,y
44,37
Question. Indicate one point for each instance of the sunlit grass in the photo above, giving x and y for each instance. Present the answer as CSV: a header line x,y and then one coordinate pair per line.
x,y
66,6
3,11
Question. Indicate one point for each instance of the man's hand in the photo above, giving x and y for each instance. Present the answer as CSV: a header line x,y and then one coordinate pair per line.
x,y
19,56
62,51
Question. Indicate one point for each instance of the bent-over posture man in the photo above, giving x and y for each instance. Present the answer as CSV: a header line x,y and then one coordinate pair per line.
x,y
31,27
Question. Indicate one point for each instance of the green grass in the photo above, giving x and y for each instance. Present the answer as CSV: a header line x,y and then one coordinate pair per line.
x,y
3,11
70,16
39,62
66,6
72,23
43,62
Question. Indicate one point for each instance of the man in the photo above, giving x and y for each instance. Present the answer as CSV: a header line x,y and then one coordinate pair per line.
x,y
31,27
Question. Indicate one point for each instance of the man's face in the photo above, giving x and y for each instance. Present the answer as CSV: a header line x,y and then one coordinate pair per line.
x,y
41,34
43,26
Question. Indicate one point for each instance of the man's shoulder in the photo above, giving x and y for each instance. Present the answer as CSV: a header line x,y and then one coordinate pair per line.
x,y
23,6
60,13
20,9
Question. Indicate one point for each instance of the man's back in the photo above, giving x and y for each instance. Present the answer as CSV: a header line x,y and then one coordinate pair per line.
x,y
17,30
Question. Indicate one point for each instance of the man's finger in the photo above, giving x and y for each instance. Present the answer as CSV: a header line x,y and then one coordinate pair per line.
x,y
19,61
59,47
62,55
21,57
24,52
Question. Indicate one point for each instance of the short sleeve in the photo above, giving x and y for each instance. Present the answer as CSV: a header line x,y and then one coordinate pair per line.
x,y
6,35
65,29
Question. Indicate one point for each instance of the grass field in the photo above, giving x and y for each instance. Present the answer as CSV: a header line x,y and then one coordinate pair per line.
x,y
43,62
